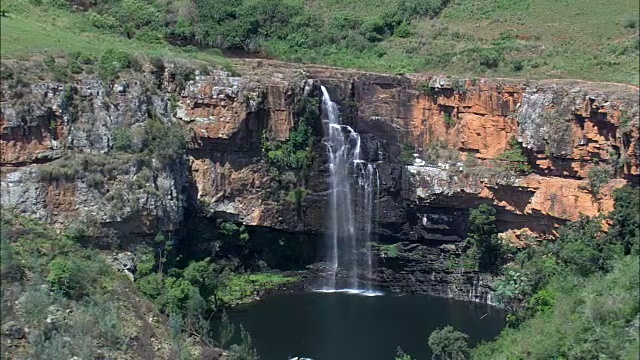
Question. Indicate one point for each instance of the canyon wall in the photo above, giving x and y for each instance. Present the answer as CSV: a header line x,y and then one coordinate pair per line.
x,y
453,131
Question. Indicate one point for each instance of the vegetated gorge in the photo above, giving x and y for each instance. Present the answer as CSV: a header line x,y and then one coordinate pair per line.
x,y
163,201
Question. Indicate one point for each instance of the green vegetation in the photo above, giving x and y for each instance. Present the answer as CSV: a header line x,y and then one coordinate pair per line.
x,y
406,154
572,298
448,344
598,177
65,292
438,151
112,62
242,287
516,160
401,355
75,305
153,147
386,250
584,283
449,121
291,160
470,37
244,350
482,250
603,304
427,90
197,288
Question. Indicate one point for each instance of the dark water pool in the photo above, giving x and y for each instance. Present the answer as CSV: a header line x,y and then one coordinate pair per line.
x,y
338,326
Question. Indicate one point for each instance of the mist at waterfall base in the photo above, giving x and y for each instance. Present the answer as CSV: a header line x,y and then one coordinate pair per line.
x,y
342,326
336,321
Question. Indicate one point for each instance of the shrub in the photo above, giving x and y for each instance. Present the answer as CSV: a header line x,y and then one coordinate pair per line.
x,y
488,57
59,274
517,160
295,155
582,248
426,89
123,139
112,62
9,265
630,22
239,288
387,251
35,303
166,142
151,285
460,86
226,331
83,58
400,355
626,219
447,343
598,177
449,121
517,65
6,72
76,276
108,322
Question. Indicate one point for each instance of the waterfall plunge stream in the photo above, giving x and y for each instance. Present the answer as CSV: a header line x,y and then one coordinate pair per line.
x,y
353,184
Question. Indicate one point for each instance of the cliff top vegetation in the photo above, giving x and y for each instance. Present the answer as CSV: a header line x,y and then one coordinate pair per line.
x,y
590,40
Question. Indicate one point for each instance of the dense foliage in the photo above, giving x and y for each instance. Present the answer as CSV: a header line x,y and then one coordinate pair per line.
x,y
573,298
483,249
447,343
197,288
58,290
68,291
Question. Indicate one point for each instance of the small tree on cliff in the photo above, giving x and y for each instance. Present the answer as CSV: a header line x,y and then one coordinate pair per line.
x,y
483,235
449,344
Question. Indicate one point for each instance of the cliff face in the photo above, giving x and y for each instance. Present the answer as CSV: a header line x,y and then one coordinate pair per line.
x,y
457,129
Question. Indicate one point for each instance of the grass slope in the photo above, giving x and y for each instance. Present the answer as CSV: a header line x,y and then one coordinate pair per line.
x,y
583,39
30,30
61,300
595,317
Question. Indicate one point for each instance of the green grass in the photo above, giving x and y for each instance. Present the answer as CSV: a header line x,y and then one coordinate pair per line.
x,y
245,287
573,38
30,30
590,39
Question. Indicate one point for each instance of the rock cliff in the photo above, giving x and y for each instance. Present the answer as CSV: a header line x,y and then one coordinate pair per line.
x,y
452,131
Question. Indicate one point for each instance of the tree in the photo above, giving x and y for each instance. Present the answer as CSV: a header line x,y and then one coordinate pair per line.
x,y
626,219
449,344
483,235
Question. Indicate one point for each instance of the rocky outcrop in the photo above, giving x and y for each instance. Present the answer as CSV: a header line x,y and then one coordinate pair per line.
x,y
455,129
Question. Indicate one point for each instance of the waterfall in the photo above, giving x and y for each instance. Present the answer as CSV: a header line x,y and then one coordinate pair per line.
x,y
353,183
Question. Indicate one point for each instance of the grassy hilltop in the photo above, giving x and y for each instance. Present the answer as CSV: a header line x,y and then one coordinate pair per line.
x,y
589,39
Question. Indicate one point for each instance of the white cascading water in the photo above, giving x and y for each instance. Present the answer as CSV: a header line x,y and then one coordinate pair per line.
x,y
353,183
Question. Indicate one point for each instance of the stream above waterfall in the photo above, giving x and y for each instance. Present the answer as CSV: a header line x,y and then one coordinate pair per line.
x,y
343,326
